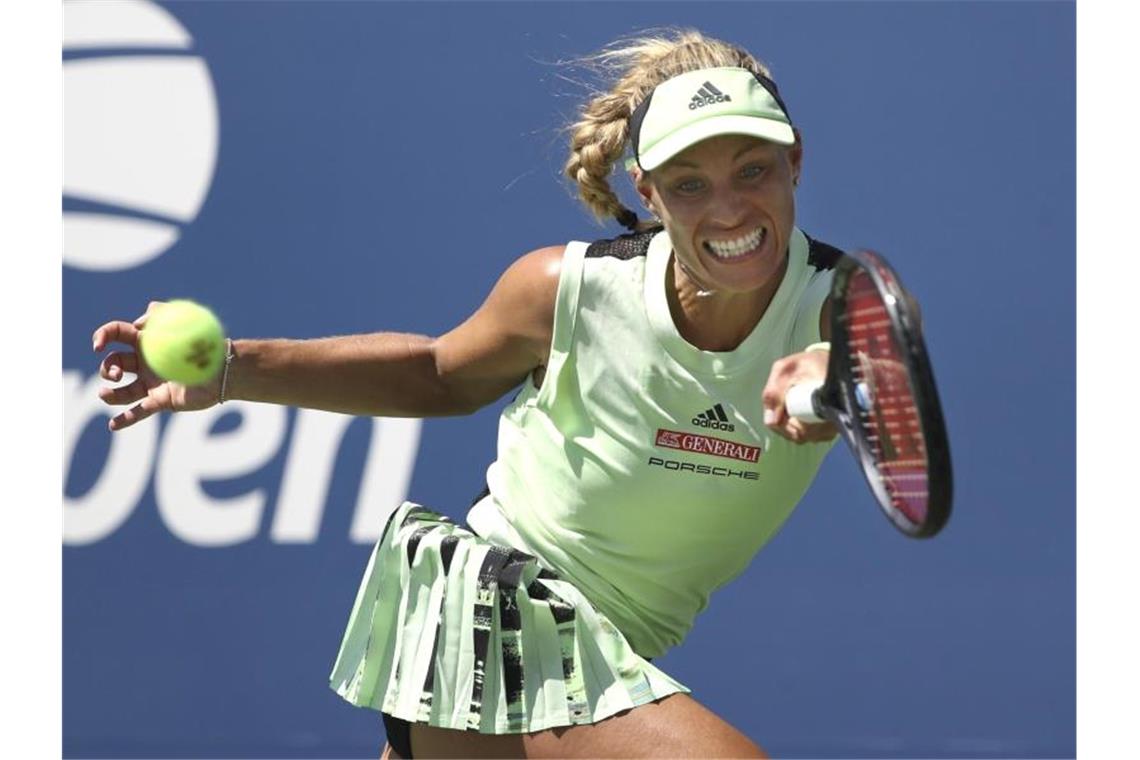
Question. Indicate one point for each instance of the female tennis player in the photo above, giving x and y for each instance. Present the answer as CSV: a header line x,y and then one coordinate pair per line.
x,y
645,459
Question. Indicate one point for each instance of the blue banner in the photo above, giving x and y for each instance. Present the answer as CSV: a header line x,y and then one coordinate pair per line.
x,y
310,169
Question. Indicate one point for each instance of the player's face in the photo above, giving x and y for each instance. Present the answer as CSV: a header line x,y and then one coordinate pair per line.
x,y
728,204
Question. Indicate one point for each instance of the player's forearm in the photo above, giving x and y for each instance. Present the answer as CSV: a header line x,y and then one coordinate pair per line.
x,y
382,374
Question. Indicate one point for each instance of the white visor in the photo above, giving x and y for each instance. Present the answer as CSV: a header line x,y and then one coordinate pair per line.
x,y
697,105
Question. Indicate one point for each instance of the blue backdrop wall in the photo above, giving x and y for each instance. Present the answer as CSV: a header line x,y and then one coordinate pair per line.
x,y
323,168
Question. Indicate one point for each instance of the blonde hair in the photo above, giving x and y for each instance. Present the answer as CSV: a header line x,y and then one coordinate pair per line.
x,y
634,66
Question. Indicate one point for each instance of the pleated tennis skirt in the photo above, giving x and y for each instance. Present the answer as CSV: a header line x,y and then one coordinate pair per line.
x,y
452,630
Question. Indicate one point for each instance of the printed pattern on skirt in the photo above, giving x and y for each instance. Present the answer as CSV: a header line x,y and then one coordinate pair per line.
x,y
452,630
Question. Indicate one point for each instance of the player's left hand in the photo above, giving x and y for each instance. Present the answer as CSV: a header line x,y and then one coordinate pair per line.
x,y
148,392
807,366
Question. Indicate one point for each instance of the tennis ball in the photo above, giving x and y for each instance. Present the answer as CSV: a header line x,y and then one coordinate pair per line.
x,y
183,341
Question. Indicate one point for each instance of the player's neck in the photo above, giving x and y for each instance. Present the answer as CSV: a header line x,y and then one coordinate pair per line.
x,y
716,321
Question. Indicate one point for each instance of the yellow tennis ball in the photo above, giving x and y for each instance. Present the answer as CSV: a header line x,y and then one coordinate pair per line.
x,y
183,341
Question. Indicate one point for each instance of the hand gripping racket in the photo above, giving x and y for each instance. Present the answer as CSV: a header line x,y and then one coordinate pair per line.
x,y
880,393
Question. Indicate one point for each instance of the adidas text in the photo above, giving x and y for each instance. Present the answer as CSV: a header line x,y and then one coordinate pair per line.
x,y
714,424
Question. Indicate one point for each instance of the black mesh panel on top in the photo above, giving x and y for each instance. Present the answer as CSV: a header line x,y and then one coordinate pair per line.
x,y
821,255
625,246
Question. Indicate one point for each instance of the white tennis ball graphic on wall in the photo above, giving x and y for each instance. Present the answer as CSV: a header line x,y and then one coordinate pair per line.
x,y
140,132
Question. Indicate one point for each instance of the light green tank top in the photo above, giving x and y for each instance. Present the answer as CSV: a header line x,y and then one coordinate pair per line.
x,y
641,470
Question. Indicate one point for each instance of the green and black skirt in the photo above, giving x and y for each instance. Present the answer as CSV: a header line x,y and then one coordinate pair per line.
x,y
452,630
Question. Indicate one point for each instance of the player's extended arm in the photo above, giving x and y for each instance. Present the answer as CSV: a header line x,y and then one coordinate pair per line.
x,y
379,374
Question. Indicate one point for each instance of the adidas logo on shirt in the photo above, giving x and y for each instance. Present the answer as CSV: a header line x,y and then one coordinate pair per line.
x,y
707,95
714,418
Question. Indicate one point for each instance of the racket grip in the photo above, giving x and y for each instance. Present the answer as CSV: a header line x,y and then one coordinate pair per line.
x,y
800,401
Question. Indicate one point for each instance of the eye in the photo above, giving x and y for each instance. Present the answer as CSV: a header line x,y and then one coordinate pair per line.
x,y
752,171
689,186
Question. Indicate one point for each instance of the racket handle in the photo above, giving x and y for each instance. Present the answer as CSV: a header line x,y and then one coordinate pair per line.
x,y
800,401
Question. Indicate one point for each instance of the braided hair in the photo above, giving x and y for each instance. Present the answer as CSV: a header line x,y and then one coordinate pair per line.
x,y
634,66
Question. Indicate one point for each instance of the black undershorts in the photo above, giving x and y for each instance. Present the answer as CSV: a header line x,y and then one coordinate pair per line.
x,y
399,735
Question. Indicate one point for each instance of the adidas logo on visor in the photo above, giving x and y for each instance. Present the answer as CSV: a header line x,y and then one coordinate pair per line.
x,y
707,95
714,418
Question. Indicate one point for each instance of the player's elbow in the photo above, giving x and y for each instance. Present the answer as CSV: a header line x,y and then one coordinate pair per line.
x,y
456,392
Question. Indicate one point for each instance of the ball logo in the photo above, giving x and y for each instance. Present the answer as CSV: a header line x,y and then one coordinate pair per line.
x,y
200,352
140,133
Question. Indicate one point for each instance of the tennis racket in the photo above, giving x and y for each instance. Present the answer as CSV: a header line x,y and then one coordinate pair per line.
x,y
880,393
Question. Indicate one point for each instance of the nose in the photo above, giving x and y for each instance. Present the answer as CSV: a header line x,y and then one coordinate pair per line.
x,y
728,209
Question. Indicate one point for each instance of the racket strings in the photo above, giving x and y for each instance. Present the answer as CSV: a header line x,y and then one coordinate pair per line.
x,y
888,416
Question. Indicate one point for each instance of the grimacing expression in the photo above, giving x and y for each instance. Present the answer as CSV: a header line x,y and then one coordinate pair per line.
x,y
728,204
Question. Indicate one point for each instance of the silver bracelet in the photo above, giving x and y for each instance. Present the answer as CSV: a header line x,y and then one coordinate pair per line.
x,y
226,370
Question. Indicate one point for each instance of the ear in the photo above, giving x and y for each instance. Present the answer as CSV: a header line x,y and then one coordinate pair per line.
x,y
644,188
796,156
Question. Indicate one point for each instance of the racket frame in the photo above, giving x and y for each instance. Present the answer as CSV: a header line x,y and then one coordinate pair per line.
x,y
836,401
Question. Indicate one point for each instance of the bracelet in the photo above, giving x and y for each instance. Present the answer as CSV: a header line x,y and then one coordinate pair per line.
x,y
226,370
821,346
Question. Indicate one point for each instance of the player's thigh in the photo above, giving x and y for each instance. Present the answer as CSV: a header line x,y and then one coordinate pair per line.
x,y
676,726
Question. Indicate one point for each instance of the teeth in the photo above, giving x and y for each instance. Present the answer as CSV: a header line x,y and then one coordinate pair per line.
x,y
728,249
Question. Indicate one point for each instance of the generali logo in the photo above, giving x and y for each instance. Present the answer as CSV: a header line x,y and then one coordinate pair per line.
x,y
704,444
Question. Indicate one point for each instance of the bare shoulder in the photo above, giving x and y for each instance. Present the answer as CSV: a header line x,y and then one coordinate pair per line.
x,y
526,293
508,337
534,275
547,260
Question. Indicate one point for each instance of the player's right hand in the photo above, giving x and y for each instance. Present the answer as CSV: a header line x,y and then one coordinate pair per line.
x,y
804,367
148,393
